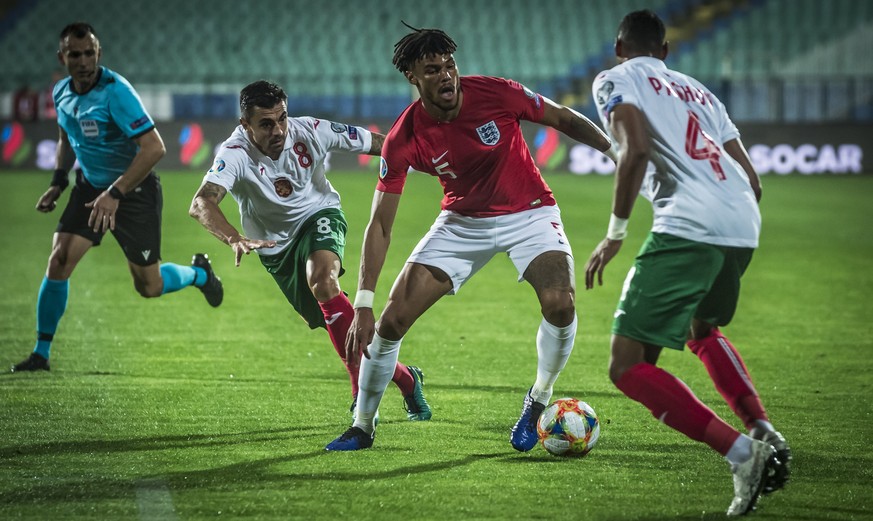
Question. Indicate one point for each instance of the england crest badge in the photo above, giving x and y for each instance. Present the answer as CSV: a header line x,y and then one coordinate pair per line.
x,y
489,133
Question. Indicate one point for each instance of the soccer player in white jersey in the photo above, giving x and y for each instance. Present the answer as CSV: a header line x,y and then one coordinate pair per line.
x,y
274,166
678,147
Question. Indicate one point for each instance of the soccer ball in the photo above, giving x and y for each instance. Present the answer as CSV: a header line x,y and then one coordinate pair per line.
x,y
568,427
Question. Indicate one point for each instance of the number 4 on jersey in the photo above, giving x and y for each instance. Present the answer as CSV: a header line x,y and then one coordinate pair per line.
x,y
709,151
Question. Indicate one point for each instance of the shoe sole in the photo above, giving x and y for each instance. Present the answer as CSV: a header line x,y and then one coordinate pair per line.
x,y
15,369
342,449
523,449
781,472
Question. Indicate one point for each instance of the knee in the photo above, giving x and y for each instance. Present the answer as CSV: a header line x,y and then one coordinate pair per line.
x,y
149,290
325,290
391,326
617,370
324,285
700,330
57,260
558,307
626,354
59,267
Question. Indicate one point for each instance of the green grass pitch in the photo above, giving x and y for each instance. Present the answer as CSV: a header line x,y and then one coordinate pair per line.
x,y
169,409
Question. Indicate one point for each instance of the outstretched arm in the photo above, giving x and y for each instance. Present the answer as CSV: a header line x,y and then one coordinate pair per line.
x,y
205,209
576,126
628,124
375,248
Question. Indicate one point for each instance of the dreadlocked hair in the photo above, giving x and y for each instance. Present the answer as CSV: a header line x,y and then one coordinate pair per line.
x,y
420,43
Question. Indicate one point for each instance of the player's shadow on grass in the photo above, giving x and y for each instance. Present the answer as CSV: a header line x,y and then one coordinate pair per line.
x,y
251,475
254,475
640,456
157,443
690,517
516,392
814,512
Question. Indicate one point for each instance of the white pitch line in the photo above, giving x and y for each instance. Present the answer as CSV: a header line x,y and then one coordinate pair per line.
x,y
154,501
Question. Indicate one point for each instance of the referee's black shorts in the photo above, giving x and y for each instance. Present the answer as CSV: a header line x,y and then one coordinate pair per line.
x,y
137,221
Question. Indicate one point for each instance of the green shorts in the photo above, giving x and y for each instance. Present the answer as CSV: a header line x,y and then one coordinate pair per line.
x,y
325,230
674,280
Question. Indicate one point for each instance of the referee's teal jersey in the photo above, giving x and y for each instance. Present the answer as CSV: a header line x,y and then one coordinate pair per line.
x,y
101,125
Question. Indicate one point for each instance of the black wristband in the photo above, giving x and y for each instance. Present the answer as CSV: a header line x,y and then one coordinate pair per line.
x,y
60,179
115,193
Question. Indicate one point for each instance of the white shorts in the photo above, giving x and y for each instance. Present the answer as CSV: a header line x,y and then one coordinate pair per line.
x,y
460,246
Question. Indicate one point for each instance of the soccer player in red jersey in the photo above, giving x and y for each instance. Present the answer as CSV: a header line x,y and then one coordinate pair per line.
x,y
465,131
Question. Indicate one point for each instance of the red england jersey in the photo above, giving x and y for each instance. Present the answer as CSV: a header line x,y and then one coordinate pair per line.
x,y
480,157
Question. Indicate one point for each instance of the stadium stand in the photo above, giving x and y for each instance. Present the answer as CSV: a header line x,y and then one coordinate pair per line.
x,y
781,48
759,40
334,57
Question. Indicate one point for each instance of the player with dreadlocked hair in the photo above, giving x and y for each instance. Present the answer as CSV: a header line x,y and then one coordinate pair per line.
x,y
492,189
421,43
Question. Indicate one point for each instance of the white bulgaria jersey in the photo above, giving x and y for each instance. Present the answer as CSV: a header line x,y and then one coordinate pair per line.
x,y
697,190
276,197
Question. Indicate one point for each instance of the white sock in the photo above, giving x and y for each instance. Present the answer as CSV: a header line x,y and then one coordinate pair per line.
x,y
765,425
554,345
373,378
740,451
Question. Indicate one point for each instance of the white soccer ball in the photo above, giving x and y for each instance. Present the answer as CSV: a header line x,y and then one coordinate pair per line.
x,y
568,427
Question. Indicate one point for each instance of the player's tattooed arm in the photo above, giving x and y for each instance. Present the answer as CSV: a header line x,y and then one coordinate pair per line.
x,y
205,209
376,146
212,192
574,125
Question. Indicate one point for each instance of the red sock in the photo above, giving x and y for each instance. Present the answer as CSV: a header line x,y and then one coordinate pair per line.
x,y
338,314
403,378
731,378
673,403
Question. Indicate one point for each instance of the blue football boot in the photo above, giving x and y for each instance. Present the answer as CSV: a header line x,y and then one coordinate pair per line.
x,y
524,433
353,439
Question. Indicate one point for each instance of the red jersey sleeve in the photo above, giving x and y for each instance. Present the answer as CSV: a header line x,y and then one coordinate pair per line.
x,y
525,103
394,163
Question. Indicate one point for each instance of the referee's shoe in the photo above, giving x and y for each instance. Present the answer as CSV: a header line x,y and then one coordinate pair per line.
x,y
212,289
35,362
